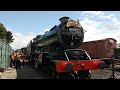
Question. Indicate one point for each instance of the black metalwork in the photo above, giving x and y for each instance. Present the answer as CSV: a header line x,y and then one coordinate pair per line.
x,y
113,76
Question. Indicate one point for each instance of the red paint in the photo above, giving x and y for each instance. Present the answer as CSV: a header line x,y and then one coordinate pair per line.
x,y
88,65
23,57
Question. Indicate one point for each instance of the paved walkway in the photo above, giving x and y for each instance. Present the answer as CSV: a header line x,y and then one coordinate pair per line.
x,y
10,73
24,73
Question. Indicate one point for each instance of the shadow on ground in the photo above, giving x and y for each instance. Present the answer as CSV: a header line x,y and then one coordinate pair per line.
x,y
116,68
29,72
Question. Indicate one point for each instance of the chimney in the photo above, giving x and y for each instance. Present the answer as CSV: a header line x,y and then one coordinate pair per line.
x,y
64,19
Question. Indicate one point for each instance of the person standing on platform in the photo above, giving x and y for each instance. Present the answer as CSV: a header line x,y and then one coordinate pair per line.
x,y
11,60
18,64
23,57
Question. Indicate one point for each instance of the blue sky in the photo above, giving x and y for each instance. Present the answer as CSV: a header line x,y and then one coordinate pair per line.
x,y
25,25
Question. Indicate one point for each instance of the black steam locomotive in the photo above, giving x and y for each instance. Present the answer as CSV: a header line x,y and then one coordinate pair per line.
x,y
57,51
69,34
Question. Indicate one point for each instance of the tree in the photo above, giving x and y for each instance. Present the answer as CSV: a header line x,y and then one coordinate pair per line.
x,y
9,37
2,31
5,34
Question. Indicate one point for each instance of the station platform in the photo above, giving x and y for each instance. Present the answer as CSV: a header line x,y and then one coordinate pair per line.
x,y
9,73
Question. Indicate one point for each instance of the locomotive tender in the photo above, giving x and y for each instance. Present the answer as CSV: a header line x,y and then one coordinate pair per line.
x,y
57,51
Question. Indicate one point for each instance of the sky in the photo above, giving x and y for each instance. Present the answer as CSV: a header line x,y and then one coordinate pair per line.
x,y
25,25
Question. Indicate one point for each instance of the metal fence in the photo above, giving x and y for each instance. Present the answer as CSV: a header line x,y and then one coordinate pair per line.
x,y
5,51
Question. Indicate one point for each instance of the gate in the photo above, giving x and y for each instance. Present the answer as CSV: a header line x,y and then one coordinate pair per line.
x,y
5,51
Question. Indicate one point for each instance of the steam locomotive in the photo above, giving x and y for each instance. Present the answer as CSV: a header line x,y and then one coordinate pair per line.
x,y
57,51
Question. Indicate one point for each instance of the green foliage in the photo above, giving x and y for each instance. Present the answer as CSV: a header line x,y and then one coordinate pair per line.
x,y
6,35
2,31
9,37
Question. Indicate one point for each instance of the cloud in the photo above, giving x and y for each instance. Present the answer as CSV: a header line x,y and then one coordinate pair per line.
x,y
22,39
91,27
96,13
106,16
114,25
100,29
